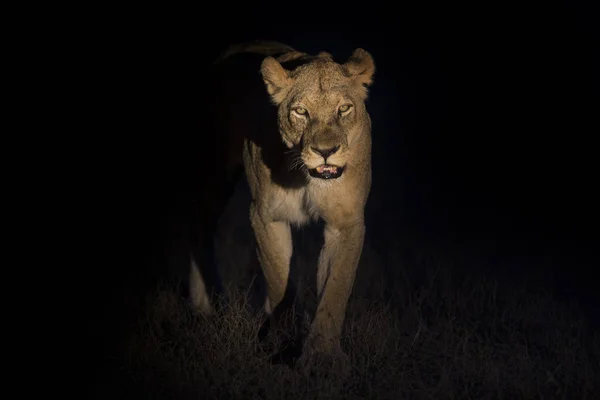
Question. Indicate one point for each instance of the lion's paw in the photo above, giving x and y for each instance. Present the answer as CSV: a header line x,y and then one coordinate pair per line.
x,y
333,362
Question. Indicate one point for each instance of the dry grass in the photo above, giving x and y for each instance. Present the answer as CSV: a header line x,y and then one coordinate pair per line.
x,y
424,324
474,341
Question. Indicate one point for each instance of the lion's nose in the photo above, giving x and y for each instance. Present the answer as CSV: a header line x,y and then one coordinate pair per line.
x,y
325,152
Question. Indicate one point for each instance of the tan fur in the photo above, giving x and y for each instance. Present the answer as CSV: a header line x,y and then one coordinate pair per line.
x,y
307,101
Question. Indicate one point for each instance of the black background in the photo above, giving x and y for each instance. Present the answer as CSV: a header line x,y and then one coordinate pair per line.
x,y
484,117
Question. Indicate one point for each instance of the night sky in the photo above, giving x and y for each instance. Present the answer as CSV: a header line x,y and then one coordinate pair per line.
x,y
484,123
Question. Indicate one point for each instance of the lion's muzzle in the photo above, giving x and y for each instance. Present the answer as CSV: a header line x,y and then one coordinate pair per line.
x,y
326,170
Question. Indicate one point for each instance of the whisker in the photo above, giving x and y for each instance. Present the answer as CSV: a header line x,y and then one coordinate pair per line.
x,y
295,163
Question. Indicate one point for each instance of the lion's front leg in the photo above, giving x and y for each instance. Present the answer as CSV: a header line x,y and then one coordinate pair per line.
x,y
274,240
335,278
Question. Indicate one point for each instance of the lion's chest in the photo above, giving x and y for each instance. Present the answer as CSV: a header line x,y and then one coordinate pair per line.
x,y
295,207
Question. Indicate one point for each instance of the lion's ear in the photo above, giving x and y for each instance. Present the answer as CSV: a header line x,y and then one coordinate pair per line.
x,y
276,78
361,67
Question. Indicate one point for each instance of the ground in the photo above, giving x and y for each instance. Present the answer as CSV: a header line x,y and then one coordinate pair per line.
x,y
422,323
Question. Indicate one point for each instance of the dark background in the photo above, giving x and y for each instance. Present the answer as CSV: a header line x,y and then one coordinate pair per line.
x,y
484,126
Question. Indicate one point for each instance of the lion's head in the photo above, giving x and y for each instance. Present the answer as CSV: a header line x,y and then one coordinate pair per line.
x,y
321,109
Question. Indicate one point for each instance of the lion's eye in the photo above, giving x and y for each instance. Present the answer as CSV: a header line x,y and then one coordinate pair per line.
x,y
344,108
300,111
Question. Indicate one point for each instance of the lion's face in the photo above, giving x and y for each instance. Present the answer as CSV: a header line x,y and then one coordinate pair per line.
x,y
321,109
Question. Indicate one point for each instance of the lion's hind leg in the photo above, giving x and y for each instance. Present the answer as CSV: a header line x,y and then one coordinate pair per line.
x,y
198,294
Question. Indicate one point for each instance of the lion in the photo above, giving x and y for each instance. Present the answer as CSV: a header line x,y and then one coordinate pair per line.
x,y
299,125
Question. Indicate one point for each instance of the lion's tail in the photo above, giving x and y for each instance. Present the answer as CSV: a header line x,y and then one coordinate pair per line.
x,y
262,47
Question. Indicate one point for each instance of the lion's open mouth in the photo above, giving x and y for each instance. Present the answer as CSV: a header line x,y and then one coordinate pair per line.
x,y
326,171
